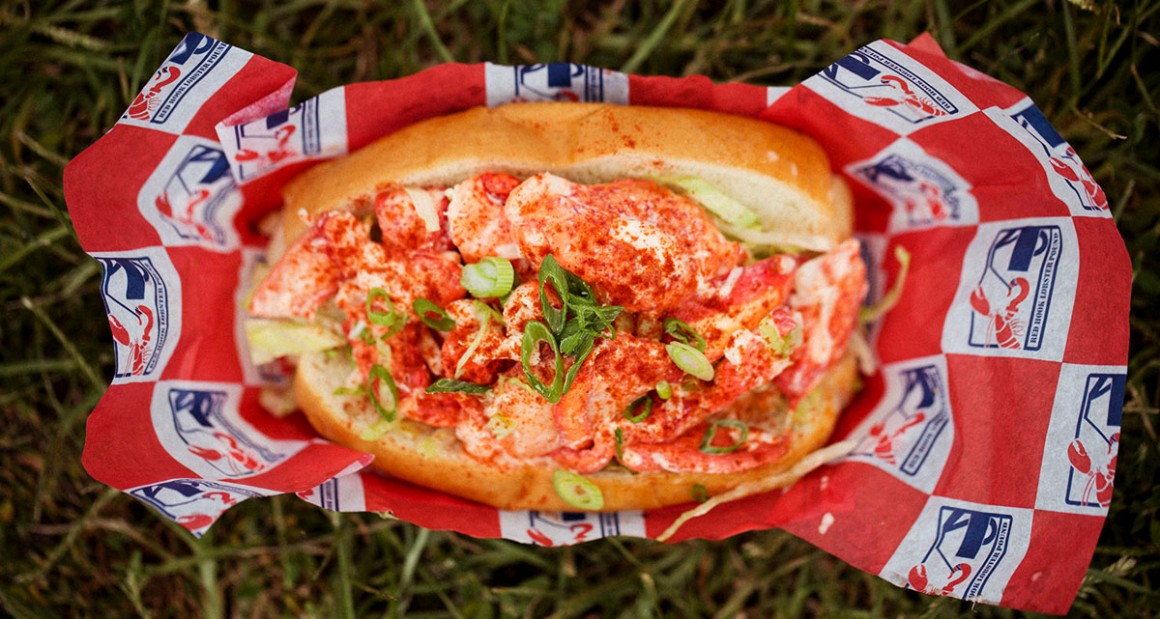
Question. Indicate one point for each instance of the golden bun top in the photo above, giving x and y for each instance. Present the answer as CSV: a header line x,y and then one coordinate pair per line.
x,y
780,174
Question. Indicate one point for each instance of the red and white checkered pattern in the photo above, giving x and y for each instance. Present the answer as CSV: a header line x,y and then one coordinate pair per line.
x,y
986,442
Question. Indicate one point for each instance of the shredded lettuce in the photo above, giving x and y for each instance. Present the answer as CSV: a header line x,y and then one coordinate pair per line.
x,y
271,339
713,199
740,222
890,299
779,242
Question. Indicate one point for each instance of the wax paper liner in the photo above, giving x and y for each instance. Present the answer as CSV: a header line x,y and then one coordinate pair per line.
x,y
986,441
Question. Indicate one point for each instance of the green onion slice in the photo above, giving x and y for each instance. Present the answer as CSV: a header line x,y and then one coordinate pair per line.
x,y
639,410
573,340
579,292
595,318
619,445
552,273
700,494
375,431
360,390
581,355
450,385
424,308
534,333
576,490
389,407
707,445
664,390
682,332
392,318
780,345
690,360
491,277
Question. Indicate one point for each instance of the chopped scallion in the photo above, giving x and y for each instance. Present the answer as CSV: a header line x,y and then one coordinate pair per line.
x,y
450,385
576,341
781,345
639,410
484,320
594,318
491,277
581,354
682,332
536,333
707,445
391,318
573,336
664,390
382,376
700,494
579,292
552,273
691,360
424,308
577,491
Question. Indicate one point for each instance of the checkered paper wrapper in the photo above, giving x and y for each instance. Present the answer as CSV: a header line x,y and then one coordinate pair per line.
x,y
985,442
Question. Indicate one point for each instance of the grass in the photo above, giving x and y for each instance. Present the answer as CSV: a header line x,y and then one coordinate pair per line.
x,y
71,547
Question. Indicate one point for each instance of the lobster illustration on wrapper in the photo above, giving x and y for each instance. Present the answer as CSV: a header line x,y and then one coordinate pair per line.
x,y
279,150
201,419
165,207
1068,165
910,435
1071,181
136,305
901,94
884,440
193,503
1010,303
1093,450
921,192
1099,474
919,580
191,198
969,547
138,341
894,91
1004,327
147,101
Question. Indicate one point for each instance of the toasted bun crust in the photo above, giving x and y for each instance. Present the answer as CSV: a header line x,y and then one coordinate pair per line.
x,y
781,175
434,458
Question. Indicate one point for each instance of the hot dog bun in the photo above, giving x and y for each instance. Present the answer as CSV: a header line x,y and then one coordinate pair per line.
x,y
781,175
